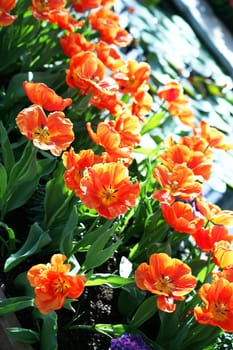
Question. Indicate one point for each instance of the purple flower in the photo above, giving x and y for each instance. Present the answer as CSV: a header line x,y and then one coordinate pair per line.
x,y
129,342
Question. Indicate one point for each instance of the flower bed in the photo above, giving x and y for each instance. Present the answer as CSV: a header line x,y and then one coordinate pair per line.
x,y
110,132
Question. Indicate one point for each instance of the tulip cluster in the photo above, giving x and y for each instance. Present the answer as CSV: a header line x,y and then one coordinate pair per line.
x,y
118,96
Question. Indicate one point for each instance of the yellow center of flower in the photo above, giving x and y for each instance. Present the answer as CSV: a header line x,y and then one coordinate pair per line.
x,y
164,285
60,285
108,195
41,134
219,311
42,5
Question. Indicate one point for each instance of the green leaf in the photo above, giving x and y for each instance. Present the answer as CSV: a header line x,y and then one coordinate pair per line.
x,y
97,255
23,335
15,304
153,122
11,236
46,166
7,152
90,237
111,280
58,199
144,312
170,323
36,240
23,179
48,336
129,299
68,233
3,182
112,330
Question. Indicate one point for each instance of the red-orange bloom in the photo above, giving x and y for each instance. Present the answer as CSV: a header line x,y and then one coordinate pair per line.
x,y
54,283
218,305
41,94
214,213
180,183
227,273
63,18
53,133
181,218
177,102
107,23
223,254
84,5
170,91
41,8
169,278
85,72
5,18
181,110
74,43
142,103
132,76
118,137
107,189
213,137
76,163
109,55
195,160
102,99
206,238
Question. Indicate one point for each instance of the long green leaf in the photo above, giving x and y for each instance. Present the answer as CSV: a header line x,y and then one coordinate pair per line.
x,y
97,255
15,304
48,336
23,335
113,281
144,312
36,240
6,149
68,233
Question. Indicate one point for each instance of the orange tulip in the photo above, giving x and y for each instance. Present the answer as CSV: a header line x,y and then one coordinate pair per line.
x,y
108,3
84,5
132,76
170,91
227,273
195,160
74,43
169,278
178,183
109,55
177,102
41,8
181,218
223,254
41,94
63,18
53,133
7,5
76,163
54,283
107,189
218,305
214,213
85,72
213,137
206,238
103,100
5,18
117,137
128,127
142,103
107,23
